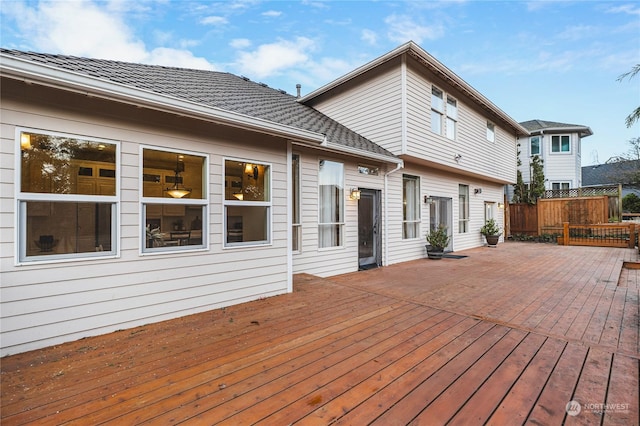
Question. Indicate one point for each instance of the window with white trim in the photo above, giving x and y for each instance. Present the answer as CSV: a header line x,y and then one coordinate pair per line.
x,y
247,203
331,204
67,195
491,132
410,206
463,208
174,200
452,118
560,185
560,143
534,143
296,233
437,110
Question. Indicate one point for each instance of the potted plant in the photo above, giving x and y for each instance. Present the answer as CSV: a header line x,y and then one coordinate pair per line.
x,y
155,238
491,232
438,240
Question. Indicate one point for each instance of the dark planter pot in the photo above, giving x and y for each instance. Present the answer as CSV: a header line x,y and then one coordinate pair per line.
x,y
492,240
434,253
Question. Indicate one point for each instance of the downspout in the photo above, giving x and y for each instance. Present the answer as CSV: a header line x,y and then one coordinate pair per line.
x,y
385,257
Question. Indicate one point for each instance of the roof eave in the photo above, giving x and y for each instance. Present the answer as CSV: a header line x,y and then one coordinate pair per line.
x,y
437,67
47,75
583,131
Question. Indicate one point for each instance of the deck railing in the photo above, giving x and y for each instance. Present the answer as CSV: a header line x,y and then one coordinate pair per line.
x,y
601,235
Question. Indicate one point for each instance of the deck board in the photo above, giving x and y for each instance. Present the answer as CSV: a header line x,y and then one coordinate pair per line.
x,y
505,336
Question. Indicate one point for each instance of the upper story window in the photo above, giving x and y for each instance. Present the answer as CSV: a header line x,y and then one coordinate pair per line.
x,y
247,203
174,200
452,117
534,145
67,196
437,110
331,204
491,132
410,206
560,143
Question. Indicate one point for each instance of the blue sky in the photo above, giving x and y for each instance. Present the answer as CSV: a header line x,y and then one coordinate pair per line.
x,y
552,60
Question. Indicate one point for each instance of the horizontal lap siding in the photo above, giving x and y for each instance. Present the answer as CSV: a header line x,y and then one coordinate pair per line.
x,y
329,261
496,160
373,109
439,184
51,303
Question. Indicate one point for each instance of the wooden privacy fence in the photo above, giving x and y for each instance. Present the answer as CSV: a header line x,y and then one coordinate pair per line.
x,y
603,235
549,215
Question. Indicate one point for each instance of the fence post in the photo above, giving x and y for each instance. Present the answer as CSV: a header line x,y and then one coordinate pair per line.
x,y
632,235
565,233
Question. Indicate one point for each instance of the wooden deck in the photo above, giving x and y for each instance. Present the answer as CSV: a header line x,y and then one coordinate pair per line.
x,y
507,335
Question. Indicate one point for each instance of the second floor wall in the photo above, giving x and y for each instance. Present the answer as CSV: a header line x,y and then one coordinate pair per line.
x,y
561,155
409,110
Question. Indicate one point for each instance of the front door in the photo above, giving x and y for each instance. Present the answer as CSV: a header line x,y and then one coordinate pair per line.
x,y
441,214
369,236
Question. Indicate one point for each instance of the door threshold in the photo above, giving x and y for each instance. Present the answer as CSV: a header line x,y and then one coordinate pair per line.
x,y
367,267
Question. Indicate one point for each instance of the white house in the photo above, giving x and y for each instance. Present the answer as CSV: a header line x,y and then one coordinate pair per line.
x,y
459,149
559,146
134,193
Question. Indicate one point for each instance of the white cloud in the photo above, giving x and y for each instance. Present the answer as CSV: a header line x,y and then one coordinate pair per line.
x,y
625,8
240,43
177,58
272,13
82,28
369,36
270,59
578,32
402,28
214,20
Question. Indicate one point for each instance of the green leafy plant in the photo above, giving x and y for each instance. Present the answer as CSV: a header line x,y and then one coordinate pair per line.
x,y
490,228
438,238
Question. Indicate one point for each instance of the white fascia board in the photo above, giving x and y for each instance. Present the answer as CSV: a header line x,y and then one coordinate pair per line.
x,y
577,129
33,73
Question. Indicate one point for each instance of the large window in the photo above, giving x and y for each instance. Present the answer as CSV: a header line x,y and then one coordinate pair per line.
x,y
463,208
174,200
331,204
295,203
437,110
247,203
67,196
452,117
560,143
535,145
410,206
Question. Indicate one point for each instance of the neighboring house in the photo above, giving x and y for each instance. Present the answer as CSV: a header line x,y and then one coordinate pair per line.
x,y
624,172
559,146
459,149
135,193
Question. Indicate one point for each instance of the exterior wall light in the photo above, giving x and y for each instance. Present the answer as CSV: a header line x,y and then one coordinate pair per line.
x,y
355,194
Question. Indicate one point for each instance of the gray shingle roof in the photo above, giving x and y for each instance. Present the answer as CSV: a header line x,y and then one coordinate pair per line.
x,y
216,89
536,125
624,172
